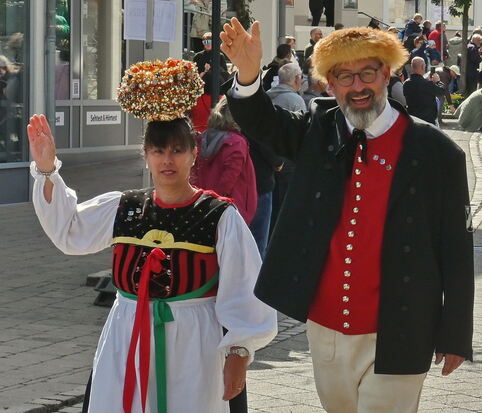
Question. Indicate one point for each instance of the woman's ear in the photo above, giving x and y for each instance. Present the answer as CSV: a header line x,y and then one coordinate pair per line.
x,y
194,155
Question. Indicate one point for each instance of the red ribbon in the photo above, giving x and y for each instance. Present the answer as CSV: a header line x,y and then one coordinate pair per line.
x,y
141,331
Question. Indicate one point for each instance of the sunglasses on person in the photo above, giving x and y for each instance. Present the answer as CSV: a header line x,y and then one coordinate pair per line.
x,y
207,41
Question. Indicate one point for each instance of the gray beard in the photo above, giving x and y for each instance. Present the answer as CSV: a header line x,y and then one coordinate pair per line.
x,y
363,118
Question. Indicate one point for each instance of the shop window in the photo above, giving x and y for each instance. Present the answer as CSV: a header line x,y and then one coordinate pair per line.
x,y
13,24
102,48
62,46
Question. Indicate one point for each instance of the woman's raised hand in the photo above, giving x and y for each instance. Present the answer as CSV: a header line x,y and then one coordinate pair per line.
x,y
42,143
243,49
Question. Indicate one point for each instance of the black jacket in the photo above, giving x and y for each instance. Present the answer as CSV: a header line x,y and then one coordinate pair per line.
x,y
473,60
427,280
206,56
420,94
411,28
265,162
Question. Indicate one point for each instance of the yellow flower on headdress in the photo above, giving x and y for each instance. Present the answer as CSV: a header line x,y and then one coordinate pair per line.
x,y
160,90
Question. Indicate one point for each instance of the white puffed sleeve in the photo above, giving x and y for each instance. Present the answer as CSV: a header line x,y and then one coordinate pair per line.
x,y
75,229
250,322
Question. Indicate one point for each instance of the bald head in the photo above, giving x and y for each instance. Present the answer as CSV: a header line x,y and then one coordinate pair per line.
x,y
418,65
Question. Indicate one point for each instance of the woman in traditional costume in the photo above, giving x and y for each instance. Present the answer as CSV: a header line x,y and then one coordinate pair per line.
x,y
184,262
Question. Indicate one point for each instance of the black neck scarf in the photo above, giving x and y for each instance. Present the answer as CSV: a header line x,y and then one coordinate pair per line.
x,y
358,137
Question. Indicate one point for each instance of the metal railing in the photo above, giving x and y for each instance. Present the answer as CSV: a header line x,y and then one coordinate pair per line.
x,y
375,19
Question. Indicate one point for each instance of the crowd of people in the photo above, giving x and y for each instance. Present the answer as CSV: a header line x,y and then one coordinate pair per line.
x,y
368,248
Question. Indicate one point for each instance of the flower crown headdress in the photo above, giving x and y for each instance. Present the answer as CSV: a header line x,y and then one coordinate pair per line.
x,y
160,90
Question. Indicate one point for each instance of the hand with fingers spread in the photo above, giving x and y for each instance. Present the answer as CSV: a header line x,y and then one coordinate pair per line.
x,y
451,363
243,49
42,143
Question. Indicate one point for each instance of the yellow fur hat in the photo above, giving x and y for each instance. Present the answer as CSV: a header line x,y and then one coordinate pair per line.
x,y
348,45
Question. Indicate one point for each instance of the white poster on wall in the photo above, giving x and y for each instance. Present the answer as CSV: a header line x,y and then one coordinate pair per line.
x,y
164,23
59,118
103,118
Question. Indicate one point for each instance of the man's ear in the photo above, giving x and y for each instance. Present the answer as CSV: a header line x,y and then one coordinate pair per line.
x,y
386,73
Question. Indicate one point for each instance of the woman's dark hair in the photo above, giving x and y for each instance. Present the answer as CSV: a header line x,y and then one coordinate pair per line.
x,y
283,51
161,134
221,118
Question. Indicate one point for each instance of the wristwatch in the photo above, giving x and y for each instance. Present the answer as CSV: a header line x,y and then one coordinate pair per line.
x,y
240,351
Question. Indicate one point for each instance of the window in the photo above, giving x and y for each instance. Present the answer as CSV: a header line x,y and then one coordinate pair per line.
x,y
13,86
62,46
102,48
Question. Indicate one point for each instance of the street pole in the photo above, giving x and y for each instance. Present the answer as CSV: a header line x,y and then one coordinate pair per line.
x,y
416,6
281,21
216,43
149,25
442,30
50,51
148,45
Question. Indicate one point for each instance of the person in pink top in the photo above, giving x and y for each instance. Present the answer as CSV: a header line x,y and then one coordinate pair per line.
x,y
224,164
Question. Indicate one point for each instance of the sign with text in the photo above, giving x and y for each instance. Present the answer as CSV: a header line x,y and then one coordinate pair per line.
x,y
104,118
164,23
59,118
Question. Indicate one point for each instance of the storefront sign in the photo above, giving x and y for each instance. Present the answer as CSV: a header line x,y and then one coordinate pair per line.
x,y
104,118
59,118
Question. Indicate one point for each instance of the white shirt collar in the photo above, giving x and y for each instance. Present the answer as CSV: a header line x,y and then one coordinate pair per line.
x,y
381,124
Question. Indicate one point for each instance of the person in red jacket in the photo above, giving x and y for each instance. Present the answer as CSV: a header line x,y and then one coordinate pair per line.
x,y
436,36
223,163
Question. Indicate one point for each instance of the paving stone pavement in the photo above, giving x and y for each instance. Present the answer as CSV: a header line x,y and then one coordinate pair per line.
x,y
49,327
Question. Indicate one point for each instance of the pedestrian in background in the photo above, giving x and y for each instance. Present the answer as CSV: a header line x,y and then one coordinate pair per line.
x,y
315,35
316,89
473,63
316,10
433,54
395,87
436,35
291,41
223,163
413,26
412,30
421,94
420,47
374,244
199,114
447,76
469,113
286,93
426,28
454,49
270,72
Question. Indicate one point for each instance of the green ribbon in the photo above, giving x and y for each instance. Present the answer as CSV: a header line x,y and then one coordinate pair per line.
x,y
162,314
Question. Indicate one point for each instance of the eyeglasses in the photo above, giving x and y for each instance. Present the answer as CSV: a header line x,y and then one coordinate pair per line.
x,y
367,75
207,41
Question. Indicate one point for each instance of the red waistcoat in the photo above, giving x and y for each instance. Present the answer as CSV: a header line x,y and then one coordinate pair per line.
x,y
348,292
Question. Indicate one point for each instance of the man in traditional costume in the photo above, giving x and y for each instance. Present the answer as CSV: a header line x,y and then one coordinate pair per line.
x,y
184,262
373,246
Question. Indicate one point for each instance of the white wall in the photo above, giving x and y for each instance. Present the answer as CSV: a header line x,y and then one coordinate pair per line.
x,y
266,12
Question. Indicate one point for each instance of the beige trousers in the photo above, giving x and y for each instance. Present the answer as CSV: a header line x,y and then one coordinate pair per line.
x,y
345,380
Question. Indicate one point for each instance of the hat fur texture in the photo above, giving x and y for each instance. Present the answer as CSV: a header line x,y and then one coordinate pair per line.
x,y
348,45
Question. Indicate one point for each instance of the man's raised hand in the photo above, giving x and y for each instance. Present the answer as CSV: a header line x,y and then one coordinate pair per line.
x,y
243,49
